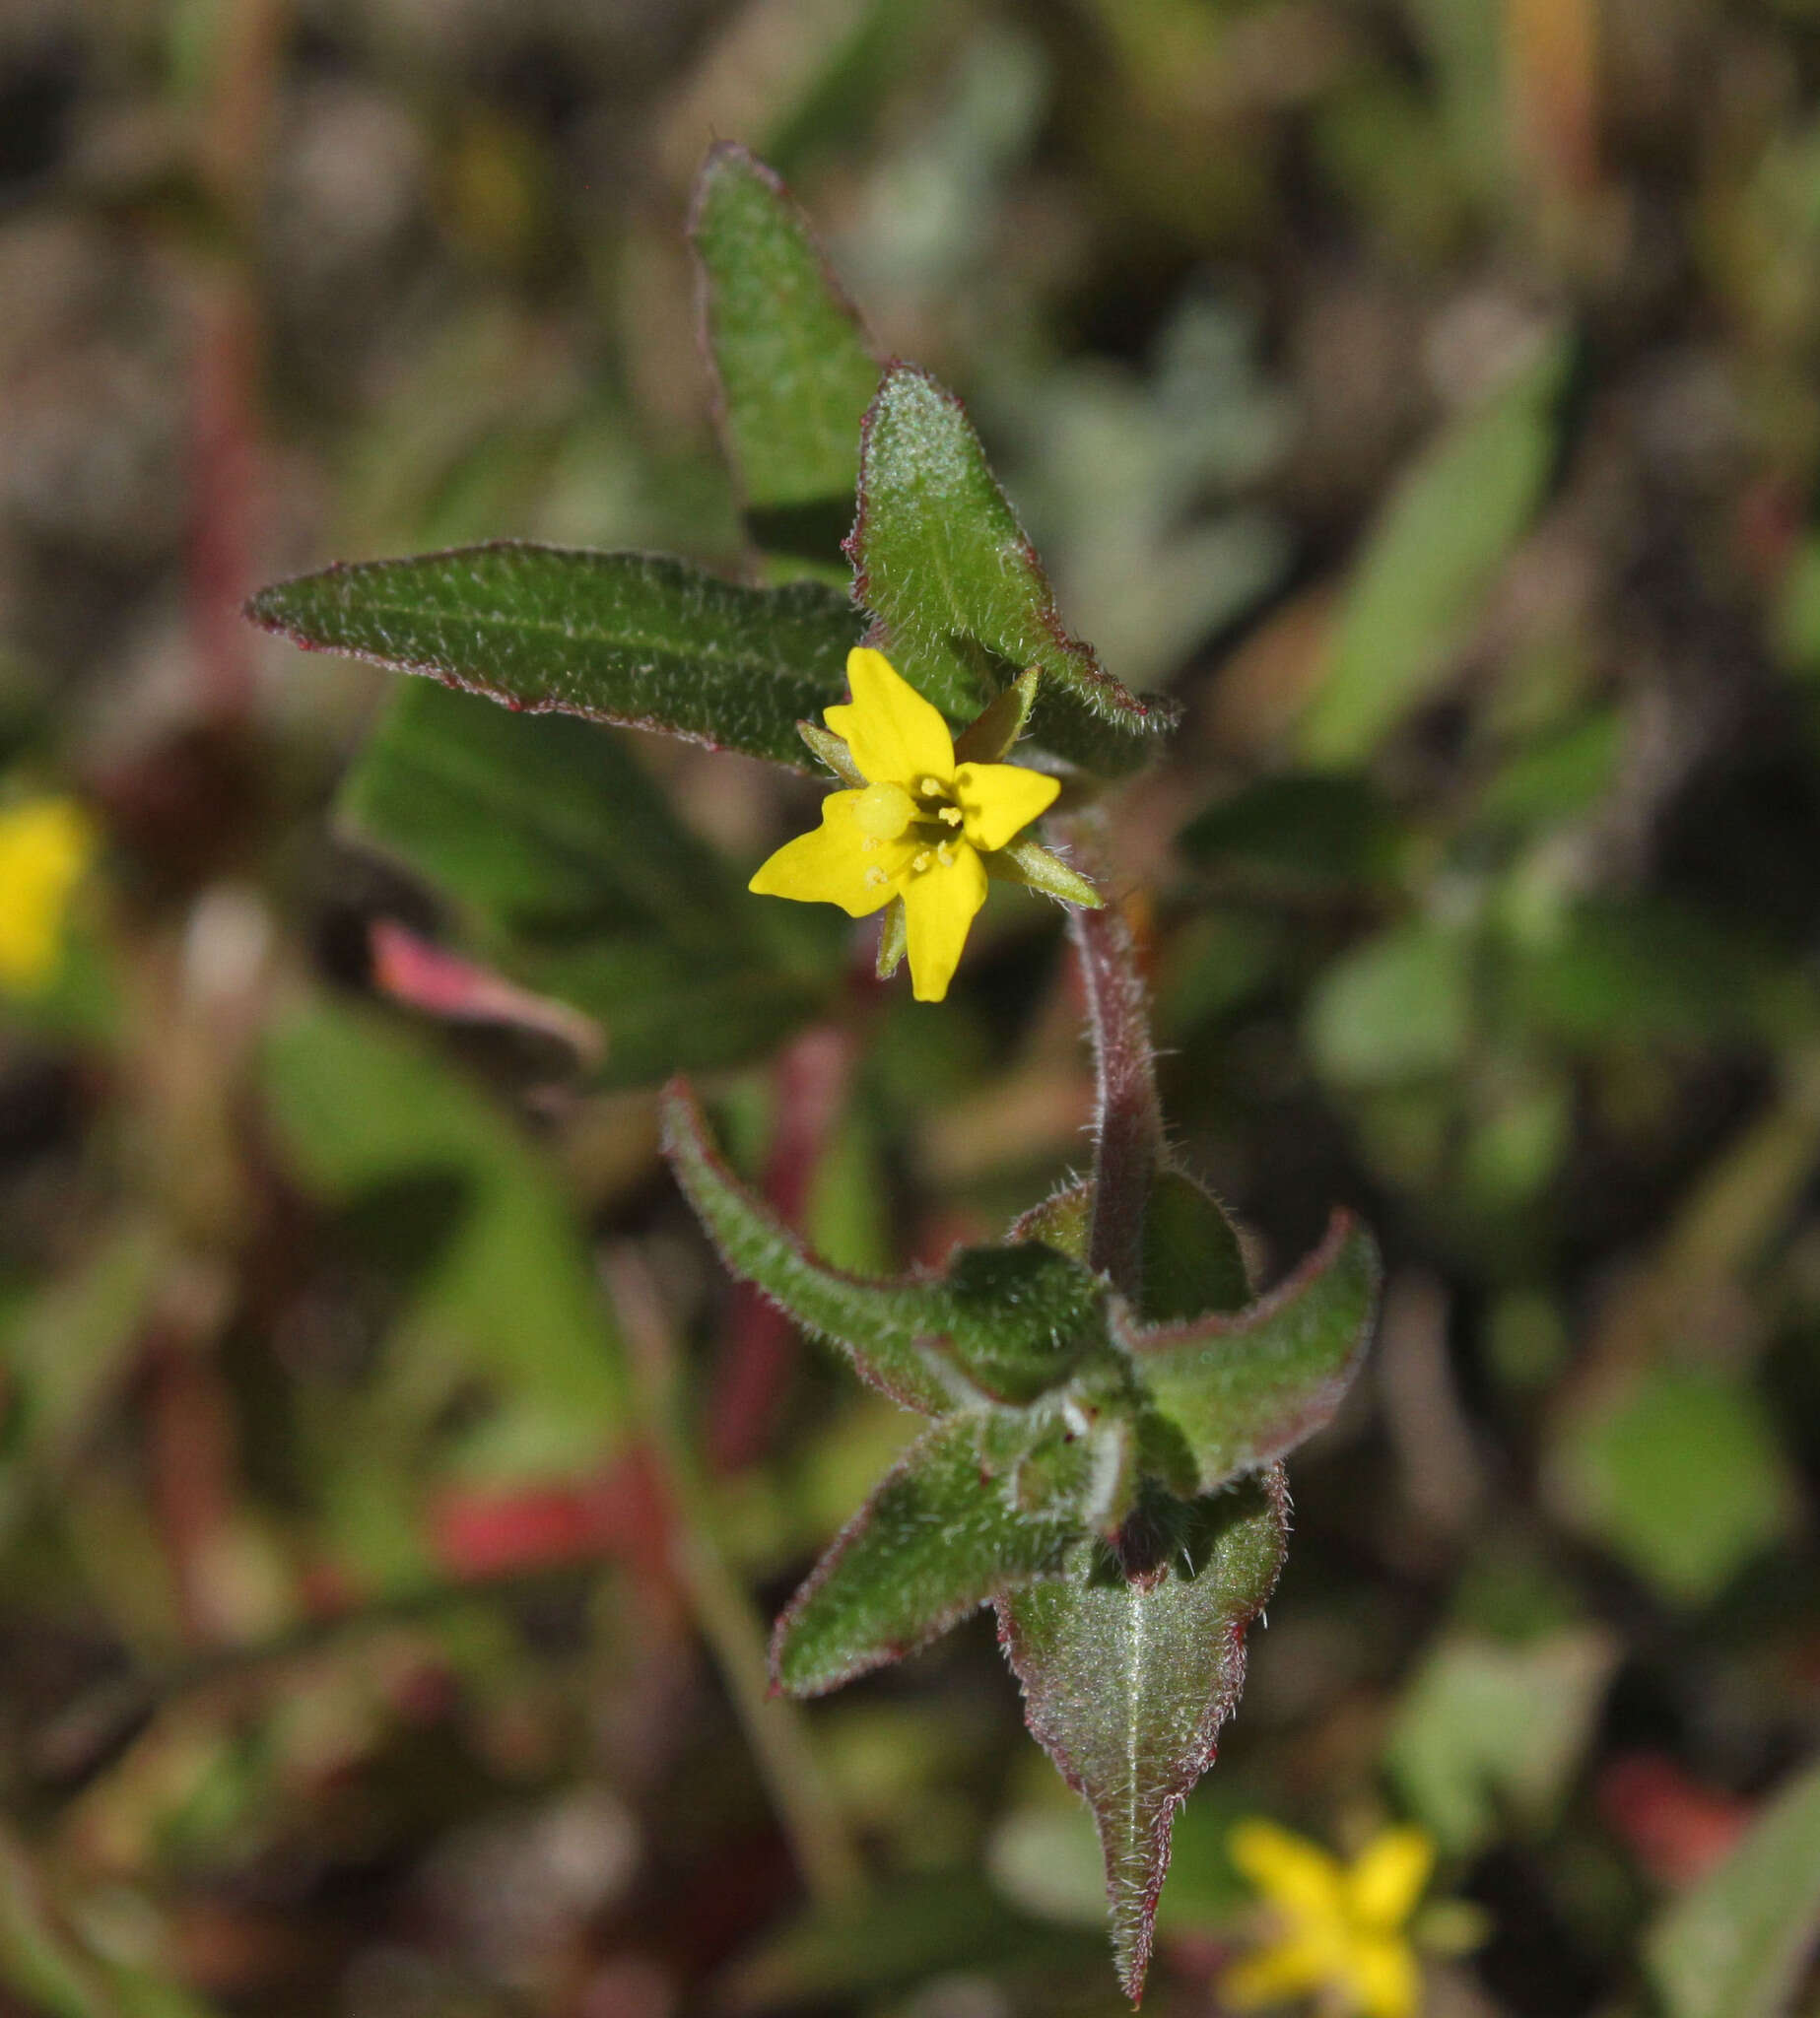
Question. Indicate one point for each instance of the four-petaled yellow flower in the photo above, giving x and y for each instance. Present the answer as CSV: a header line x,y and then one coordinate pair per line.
x,y
1339,1930
918,827
45,847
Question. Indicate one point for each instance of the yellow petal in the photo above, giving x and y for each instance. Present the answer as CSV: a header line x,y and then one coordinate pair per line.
x,y
896,736
45,847
833,864
940,904
1293,1873
1386,1882
1285,1968
1385,1981
997,799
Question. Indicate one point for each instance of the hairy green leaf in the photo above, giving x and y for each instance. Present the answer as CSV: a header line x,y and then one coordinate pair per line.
x,y
1245,1387
636,638
952,1525
1734,1946
965,606
1430,562
794,370
578,879
1126,1681
1002,1321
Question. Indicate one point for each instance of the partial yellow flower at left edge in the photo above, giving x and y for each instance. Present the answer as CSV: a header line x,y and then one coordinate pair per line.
x,y
45,847
918,828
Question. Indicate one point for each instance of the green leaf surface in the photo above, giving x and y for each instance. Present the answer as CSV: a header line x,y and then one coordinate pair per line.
x,y
578,879
951,1527
795,369
963,601
640,639
1245,1387
1431,559
1735,1945
1397,1008
1491,1734
511,1301
1680,1474
1126,1684
1193,1260
1010,1321
1298,832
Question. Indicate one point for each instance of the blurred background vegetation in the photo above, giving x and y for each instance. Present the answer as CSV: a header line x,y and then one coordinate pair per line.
x,y
1423,390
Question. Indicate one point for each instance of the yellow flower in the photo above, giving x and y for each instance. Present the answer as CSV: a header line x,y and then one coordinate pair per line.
x,y
1340,1930
45,847
918,827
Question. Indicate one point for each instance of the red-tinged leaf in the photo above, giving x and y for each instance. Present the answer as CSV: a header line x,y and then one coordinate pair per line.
x,y
1127,1679
427,977
1243,1388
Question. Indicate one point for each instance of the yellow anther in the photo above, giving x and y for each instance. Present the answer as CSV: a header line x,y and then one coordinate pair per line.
x,y
944,855
933,788
922,861
876,879
952,814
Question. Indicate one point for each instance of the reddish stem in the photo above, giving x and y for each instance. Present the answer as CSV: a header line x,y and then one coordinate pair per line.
x,y
1128,1118
809,1081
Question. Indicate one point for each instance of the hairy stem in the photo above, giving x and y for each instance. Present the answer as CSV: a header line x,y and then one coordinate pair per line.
x,y
1128,1133
775,1727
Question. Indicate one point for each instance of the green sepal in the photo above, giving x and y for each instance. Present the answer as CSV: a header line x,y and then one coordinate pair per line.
x,y
1243,1388
1010,1321
892,939
831,750
984,1503
1127,1676
1030,864
792,364
640,639
991,737
961,597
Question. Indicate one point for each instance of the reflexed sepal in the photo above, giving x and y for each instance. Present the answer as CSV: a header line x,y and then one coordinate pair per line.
x,y
961,597
892,939
1243,1388
984,1503
1035,866
1010,1321
1127,1678
833,752
990,736
636,638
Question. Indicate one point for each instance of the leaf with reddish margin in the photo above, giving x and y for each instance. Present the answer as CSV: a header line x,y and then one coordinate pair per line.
x,y
640,639
792,366
963,604
1245,1387
1005,1324
983,1503
1128,1680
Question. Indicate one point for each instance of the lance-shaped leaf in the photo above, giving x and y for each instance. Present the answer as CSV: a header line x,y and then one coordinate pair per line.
x,y
955,1524
942,561
1004,1323
1126,1682
1243,1388
794,371
636,638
